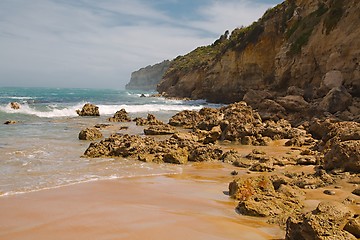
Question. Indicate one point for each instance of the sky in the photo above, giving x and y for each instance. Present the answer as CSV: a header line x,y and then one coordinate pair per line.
x,y
97,44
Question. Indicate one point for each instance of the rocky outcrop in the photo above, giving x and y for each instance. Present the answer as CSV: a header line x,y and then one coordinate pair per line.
x,y
163,129
326,222
89,110
90,134
298,53
150,120
120,116
147,78
15,105
10,122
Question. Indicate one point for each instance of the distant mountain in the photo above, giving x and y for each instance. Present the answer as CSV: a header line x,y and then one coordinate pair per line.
x,y
147,78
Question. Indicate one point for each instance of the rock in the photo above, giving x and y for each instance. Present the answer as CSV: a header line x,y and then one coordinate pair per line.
x,y
150,120
356,192
10,122
213,135
15,105
307,160
205,153
102,126
353,226
90,134
178,156
329,192
262,167
160,130
295,91
333,79
120,116
324,223
89,110
258,197
337,99
344,155
185,119
293,103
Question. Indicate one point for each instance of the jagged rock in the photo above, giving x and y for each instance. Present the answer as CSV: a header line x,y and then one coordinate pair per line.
x,y
90,134
120,145
15,105
327,222
150,120
160,130
178,156
89,110
337,99
258,197
120,116
344,155
185,119
262,167
293,103
205,153
10,122
213,135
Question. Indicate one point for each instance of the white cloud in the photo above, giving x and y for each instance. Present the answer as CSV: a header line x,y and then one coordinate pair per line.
x,y
99,43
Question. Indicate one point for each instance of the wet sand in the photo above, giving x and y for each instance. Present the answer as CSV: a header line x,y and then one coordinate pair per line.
x,y
191,205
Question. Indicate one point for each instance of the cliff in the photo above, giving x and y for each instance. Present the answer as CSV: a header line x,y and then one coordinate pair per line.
x,y
147,78
300,48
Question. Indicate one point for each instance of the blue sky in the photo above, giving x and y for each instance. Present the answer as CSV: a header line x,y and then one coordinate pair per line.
x,y
91,43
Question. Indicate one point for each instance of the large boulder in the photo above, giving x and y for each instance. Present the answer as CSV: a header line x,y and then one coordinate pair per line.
x,y
259,197
337,99
293,103
89,110
120,116
327,222
344,155
90,134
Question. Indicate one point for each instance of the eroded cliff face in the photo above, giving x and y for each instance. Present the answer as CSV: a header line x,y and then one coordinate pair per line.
x,y
147,78
294,45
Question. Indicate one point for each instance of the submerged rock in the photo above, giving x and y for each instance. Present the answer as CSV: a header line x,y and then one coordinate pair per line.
x,y
15,105
10,122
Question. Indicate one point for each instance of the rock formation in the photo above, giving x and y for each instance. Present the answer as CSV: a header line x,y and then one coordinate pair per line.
x,y
15,105
301,56
120,116
90,134
89,110
147,78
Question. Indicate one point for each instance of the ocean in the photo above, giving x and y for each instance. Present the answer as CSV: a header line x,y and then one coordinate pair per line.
x,y
42,150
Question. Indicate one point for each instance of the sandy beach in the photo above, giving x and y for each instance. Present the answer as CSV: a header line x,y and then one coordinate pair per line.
x,y
191,205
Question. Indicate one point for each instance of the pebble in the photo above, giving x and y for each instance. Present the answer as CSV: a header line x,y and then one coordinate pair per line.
x,y
329,192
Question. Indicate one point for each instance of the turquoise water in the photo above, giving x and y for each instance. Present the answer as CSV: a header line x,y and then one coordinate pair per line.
x,y
43,151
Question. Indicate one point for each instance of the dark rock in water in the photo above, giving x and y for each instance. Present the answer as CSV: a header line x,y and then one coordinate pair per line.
x,y
9,122
90,134
160,130
142,95
326,222
120,116
15,105
102,125
89,110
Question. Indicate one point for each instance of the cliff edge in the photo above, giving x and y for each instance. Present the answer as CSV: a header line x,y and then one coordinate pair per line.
x,y
301,55
147,78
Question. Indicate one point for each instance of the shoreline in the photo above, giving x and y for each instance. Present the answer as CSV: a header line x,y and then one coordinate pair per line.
x,y
190,204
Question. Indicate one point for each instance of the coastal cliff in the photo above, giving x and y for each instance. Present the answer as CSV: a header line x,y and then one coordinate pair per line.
x,y
147,78
302,49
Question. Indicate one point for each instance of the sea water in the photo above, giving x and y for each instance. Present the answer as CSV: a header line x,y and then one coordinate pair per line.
x,y
42,149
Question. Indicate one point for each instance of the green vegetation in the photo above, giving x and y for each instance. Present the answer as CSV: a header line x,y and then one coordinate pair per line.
x,y
334,16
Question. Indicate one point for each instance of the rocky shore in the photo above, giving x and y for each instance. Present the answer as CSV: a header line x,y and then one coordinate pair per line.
x,y
309,188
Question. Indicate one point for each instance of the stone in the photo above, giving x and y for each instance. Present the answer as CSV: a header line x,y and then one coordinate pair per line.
x,y
325,223
353,226
333,79
178,156
293,103
150,120
213,135
337,99
90,134
329,192
10,122
185,119
160,130
344,155
120,116
15,105
356,191
89,110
